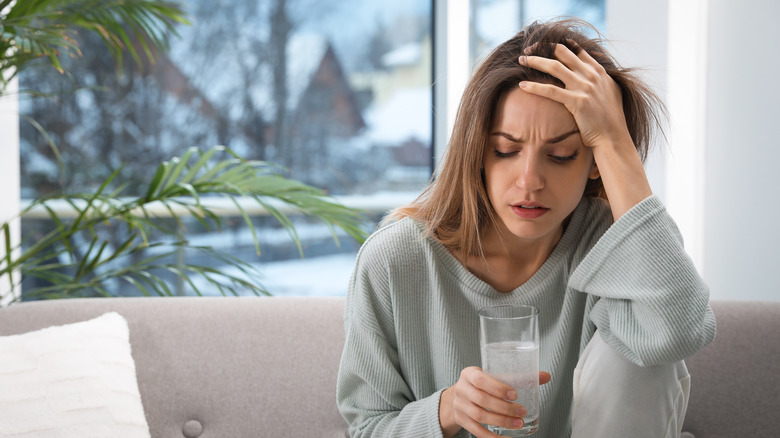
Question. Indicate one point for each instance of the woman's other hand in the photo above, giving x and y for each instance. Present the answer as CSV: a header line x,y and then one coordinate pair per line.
x,y
477,399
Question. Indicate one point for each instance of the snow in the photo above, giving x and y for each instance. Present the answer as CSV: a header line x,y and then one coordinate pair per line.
x,y
408,54
317,276
304,55
399,119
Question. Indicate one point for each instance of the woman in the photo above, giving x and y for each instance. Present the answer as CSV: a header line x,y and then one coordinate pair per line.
x,y
541,199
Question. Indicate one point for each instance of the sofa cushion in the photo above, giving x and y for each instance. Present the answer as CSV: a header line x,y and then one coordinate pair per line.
x,y
74,380
224,366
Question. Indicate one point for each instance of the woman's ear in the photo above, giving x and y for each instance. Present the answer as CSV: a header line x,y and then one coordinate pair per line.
x,y
594,172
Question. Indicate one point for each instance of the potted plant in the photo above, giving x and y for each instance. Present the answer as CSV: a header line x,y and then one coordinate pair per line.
x,y
74,258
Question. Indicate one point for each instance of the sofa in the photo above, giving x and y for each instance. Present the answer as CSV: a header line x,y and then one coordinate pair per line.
x,y
266,366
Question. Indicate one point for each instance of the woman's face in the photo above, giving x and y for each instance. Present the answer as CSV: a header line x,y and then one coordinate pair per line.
x,y
536,166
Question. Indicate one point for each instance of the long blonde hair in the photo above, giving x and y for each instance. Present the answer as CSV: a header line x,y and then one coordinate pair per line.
x,y
455,207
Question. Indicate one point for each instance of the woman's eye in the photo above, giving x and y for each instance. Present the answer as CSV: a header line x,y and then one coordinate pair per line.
x,y
564,159
500,154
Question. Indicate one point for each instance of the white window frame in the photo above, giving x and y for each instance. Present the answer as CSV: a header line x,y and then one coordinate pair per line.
x,y
9,175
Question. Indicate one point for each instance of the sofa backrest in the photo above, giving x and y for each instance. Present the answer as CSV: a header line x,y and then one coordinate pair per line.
x,y
735,381
242,367
233,367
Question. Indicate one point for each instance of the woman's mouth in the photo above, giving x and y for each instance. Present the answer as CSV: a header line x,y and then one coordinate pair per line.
x,y
529,211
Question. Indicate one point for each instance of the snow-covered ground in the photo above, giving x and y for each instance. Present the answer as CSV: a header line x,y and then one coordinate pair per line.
x,y
316,276
319,276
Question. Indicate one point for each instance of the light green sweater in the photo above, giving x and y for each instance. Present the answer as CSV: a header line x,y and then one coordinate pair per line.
x,y
411,315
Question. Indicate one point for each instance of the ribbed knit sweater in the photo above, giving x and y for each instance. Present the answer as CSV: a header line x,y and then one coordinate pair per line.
x,y
411,315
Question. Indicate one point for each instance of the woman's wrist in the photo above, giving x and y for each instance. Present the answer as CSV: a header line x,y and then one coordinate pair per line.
x,y
446,416
622,174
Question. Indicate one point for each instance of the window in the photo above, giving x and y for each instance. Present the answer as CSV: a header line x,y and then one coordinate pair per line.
x,y
340,93
495,21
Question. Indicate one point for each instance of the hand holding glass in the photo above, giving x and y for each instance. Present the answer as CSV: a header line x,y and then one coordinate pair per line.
x,y
509,343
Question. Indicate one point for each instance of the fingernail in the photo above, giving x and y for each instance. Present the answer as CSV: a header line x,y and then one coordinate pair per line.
x,y
523,84
521,59
511,395
522,412
517,423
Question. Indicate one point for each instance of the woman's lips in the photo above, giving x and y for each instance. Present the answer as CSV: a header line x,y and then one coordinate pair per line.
x,y
529,211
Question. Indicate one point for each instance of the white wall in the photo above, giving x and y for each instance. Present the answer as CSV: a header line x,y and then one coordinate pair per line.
x,y
721,63
638,34
742,155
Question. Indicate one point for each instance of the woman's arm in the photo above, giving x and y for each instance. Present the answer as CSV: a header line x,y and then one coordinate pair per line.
x,y
373,395
653,305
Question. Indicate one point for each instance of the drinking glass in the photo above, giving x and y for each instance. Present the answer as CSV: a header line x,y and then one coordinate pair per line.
x,y
509,343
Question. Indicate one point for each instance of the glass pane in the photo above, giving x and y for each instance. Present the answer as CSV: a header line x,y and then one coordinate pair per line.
x,y
495,21
338,92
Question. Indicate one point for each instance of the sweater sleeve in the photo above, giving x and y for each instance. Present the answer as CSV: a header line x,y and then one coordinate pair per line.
x,y
373,395
653,305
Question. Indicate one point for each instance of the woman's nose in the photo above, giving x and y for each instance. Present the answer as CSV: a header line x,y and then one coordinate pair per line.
x,y
529,176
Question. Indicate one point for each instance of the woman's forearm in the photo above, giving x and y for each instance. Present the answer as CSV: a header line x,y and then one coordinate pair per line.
x,y
623,175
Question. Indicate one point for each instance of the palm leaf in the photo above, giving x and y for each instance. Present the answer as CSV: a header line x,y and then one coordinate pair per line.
x,y
35,29
75,265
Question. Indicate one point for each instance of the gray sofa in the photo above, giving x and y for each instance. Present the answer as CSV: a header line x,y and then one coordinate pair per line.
x,y
266,367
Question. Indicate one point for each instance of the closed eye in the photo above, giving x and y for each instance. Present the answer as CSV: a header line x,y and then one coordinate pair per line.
x,y
499,154
565,159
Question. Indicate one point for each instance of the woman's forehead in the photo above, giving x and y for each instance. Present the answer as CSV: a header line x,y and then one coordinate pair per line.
x,y
517,112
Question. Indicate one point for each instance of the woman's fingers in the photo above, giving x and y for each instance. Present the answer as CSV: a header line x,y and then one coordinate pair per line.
x,y
490,393
481,399
568,58
586,57
549,91
589,93
571,69
552,66
544,377
474,422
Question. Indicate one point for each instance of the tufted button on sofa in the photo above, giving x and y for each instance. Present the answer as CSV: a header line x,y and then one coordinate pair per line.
x,y
192,429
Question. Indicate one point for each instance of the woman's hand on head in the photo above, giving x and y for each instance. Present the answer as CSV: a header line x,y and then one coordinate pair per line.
x,y
477,399
590,95
596,102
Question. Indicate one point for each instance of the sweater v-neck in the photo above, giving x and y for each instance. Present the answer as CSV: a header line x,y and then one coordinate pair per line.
x,y
537,280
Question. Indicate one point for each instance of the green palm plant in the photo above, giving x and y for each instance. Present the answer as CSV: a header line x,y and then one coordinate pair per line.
x,y
33,29
185,186
75,258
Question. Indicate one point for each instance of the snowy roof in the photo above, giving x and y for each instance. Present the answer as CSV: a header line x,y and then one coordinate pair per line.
x,y
398,119
304,55
407,54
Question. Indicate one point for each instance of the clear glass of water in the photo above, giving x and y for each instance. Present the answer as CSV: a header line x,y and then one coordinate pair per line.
x,y
509,343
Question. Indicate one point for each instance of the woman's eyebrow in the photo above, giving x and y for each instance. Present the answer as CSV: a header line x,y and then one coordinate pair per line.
x,y
556,139
507,136
562,137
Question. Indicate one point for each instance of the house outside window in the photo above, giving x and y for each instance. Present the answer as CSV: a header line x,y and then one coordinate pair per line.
x,y
338,93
